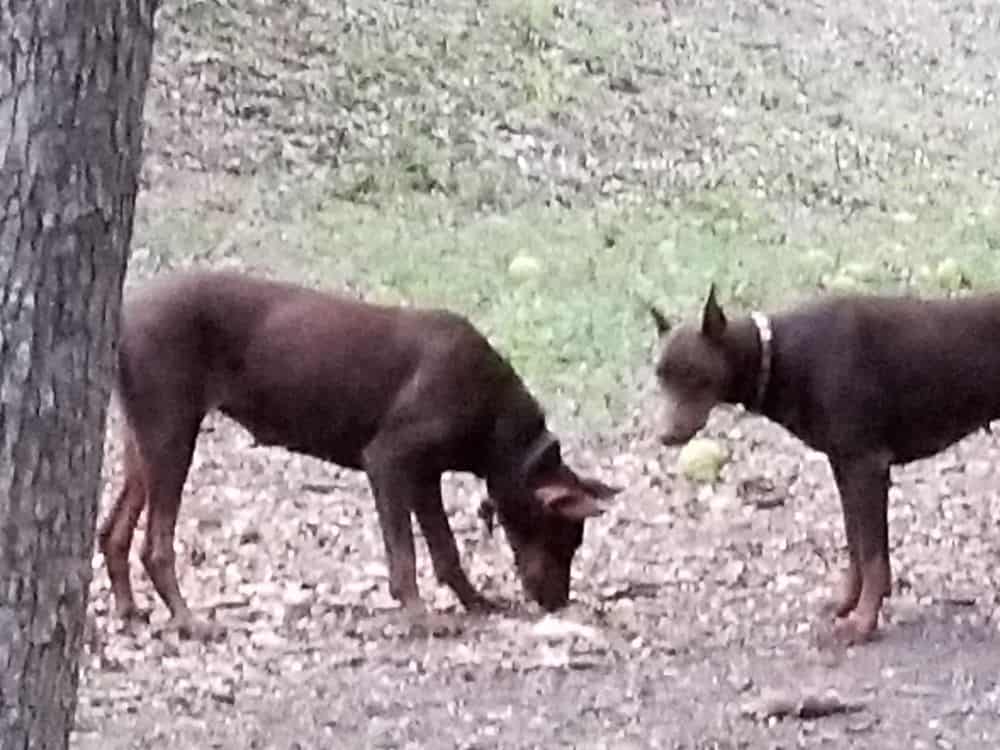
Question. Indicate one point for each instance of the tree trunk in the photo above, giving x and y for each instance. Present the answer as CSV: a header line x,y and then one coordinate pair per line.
x,y
73,77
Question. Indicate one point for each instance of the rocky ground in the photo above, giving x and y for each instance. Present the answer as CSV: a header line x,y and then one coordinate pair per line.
x,y
696,607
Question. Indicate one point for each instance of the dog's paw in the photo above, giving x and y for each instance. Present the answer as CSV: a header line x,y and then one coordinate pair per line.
x,y
852,630
132,619
191,629
836,607
435,625
482,605
845,598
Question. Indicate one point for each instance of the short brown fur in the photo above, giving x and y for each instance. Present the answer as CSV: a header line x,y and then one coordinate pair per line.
x,y
870,381
402,394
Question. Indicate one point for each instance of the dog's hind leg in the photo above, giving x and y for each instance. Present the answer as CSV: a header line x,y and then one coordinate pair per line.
x,y
118,528
168,457
864,490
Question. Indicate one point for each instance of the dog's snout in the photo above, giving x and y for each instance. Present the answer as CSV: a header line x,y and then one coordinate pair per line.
x,y
668,419
545,580
679,419
671,440
550,594
553,601
674,431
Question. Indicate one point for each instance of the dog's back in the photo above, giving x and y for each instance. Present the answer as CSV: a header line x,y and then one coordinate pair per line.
x,y
305,369
916,374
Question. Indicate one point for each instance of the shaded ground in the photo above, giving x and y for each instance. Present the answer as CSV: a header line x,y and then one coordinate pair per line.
x,y
696,600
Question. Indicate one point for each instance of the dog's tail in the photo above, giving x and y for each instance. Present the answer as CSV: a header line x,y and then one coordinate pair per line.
x,y
124,379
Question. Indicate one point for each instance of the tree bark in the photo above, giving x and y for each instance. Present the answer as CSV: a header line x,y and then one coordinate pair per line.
x,y
73,77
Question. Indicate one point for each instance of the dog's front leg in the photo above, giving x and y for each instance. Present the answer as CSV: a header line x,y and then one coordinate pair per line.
x,y
444,552
863,482
398,491
849,590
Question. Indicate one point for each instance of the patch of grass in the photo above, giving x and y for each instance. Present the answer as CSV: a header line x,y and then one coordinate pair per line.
x,y
579,331
408,151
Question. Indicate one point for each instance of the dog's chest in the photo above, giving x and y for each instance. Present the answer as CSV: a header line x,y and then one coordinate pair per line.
x,y
338,437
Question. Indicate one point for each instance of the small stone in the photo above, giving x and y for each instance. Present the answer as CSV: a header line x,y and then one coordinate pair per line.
x,y
555,628
297,604
843,283
250,535
950,275
724,502
267,639
524,267
978,469
207,524
730,572
223,691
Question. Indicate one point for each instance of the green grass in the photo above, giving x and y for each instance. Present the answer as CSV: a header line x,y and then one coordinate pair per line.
x,y
409,151
579,331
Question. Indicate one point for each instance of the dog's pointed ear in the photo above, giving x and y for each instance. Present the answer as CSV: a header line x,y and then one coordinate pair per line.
x,y
662,324
713,320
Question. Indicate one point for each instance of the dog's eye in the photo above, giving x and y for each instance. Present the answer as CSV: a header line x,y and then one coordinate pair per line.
x,y
701,383
695,380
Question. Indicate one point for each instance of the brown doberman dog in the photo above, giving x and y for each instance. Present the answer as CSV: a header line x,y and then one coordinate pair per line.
x,y
870,381
402,394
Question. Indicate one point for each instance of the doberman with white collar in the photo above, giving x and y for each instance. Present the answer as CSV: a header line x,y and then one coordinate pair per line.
x,y
870,381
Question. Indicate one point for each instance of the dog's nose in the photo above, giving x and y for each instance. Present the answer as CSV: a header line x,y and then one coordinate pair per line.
x,y
552,602
671,440
549,597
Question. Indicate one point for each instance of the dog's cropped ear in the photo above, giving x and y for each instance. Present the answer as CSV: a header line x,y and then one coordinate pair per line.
x,y
713,320
572,503
662,324
575,498
599,489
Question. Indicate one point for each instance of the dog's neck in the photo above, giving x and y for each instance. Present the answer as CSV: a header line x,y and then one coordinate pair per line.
x,y
751,360
765,338
516,445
